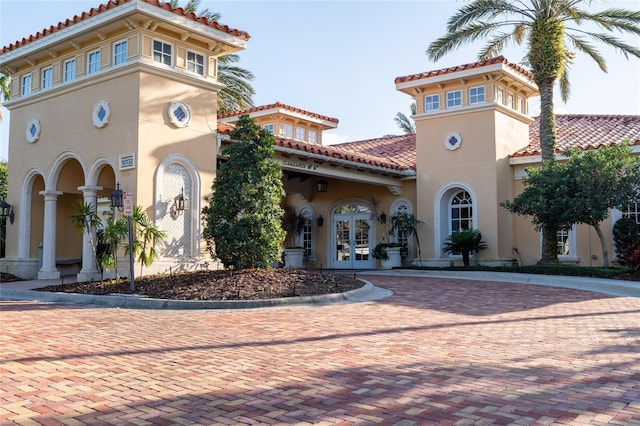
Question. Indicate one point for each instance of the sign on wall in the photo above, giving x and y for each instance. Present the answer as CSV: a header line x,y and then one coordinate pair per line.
x,y
127,161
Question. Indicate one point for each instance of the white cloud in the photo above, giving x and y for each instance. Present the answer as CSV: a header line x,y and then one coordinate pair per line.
x,y
332,139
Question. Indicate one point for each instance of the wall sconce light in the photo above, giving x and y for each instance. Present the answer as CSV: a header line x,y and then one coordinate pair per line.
x,y
320,220
116,198
383,218
6,210
322,185
178,205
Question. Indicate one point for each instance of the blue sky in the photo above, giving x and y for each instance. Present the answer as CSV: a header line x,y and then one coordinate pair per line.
x,y
340,58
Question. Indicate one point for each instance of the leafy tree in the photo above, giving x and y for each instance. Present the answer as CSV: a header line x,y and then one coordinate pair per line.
x,y
405,123
464,242
243,218
114,234
147,236
551,31
238,92
5,91
626,236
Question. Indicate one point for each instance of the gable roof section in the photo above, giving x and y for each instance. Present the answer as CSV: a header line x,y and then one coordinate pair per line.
x,y
113,4
400,150
464,67
278,105
585,132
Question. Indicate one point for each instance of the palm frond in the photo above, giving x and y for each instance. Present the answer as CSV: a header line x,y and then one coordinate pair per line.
x,y
480,10
454,40
585,47
405,123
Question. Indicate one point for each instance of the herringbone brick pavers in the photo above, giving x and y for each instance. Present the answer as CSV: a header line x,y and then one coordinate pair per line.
x,y
439,351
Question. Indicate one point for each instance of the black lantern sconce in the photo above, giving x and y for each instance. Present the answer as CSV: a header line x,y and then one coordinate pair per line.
x,y
116,198
322,185
178,206
320,220
6,211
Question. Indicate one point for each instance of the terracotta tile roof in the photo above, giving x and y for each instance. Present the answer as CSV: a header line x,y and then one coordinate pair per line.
x,y
400,150
115,3
450,70
279,105
225,128
585,132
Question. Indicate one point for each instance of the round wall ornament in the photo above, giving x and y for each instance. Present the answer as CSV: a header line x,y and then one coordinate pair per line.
x,y
32,132
101,114
453,141
179,114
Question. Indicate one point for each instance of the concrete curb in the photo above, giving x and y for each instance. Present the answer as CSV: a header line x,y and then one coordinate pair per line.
x,y
597,285
365,293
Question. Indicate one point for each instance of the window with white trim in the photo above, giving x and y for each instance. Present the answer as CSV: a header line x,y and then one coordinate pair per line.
x,y
520,105
431,103
93,62
287,130
300,133
632,211
510,101
195,63
47,78
268,127
563,243
500,96
312,136
306,236
163,52
401,236
454,99
461,210
120,52
25,85
69,70
476,95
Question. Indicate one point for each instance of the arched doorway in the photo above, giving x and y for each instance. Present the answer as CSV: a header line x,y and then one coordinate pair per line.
x,y
352,236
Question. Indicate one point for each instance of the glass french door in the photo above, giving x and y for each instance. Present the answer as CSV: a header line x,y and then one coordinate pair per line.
x,y
352,235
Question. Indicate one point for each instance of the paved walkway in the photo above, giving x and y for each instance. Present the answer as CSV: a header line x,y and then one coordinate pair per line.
x,y
439,351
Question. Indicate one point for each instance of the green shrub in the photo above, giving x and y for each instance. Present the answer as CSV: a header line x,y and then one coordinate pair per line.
x,y
626,235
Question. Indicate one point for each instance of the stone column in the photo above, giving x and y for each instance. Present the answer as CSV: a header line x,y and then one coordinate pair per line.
x,y
89,271
48,270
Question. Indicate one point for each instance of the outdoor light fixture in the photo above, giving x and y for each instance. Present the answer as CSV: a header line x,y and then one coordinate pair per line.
x,y
6,210
323,185
116,198
320,220
178,204
383,218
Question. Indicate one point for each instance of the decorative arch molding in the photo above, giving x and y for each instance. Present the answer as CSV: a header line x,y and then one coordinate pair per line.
x,y
24,214
91,177
441,214
193,197
345,201
54,171
308,235
402,204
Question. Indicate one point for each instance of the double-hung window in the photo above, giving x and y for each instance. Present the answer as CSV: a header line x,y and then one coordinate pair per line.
x,y
287,130
120,52
25,85
69,70
312,136
162,53
93,64
268,127
454,99
195,63
47,78
476,95
500,96
300,133
431,103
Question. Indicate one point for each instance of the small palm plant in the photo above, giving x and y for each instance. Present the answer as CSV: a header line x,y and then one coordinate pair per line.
x,y
86,221
293,224
147,236
464,242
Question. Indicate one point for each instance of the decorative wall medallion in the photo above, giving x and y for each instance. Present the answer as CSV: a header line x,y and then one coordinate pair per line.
x,y
33,130
101,114
453,141
179,114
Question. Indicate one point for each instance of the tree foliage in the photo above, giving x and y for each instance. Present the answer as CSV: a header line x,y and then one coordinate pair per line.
x,y
243,218
626,237
406,123
464,242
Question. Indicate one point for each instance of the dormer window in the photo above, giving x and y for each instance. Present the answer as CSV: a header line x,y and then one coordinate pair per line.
x,y
476,95
312,136
268,127
431,103
195,63
300,133
287,130
47,78
162,53
454,99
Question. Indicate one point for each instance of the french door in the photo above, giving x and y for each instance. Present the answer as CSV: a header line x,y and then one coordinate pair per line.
x,y
352,234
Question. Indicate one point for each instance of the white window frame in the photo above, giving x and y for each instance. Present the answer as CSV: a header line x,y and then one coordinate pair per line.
x,y
571,257
269,127
287,130
479,97
454,101
511,101
46,78
430,101
300,133
307,238
194,63
26,82
312,136
120,58
67,74
93,66
500,96
162,53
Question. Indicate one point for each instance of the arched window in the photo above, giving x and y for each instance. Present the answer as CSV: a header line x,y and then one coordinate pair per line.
x,y
405,239
307,240
461,210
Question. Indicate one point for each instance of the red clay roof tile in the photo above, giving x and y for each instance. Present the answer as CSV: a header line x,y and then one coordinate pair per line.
x,y
483,63
115,3
279,105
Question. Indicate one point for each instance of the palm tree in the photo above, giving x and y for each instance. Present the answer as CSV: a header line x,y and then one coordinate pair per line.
x,y
551,31
5,91
464,242
238,92
404,122
147,236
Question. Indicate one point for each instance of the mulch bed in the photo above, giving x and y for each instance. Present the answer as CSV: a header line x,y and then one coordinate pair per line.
x,y
250,284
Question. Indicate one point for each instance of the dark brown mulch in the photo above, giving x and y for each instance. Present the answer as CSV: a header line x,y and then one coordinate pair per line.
x,y
7,278
251,284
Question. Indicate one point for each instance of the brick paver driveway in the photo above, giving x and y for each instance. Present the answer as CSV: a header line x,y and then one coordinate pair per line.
x,y
438,352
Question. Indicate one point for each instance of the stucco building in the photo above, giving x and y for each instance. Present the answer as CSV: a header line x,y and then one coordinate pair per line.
x,y
126,94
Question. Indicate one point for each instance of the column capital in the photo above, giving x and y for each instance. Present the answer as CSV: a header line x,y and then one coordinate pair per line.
x,y
50,195
89,188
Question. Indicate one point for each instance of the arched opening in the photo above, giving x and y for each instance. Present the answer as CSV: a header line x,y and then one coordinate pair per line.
x,y
455,209
68,240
